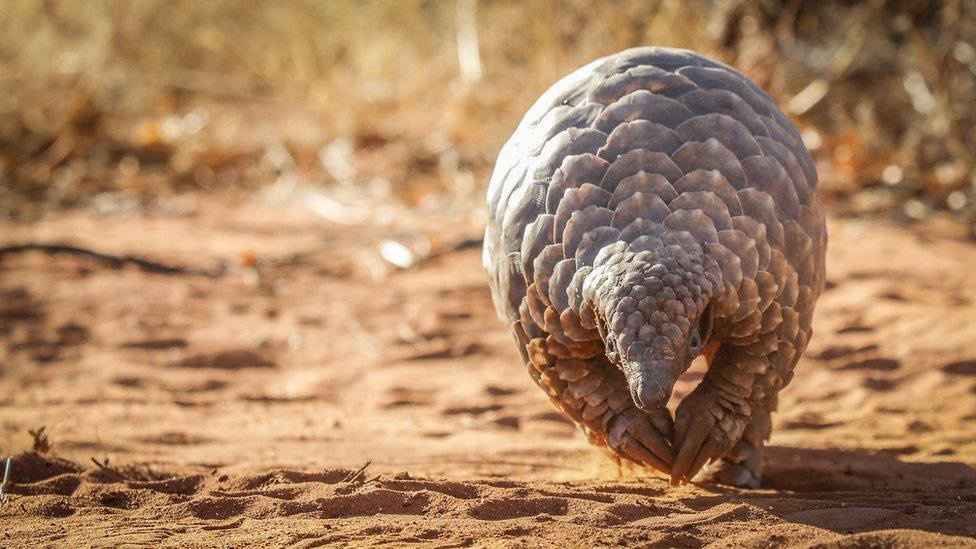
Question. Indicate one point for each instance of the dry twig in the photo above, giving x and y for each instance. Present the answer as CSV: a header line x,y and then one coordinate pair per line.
x,y
355,475
114,261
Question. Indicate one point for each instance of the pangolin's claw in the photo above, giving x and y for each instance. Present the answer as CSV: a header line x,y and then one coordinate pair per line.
x,y
643,438
709,452
651,436
690,439
636,451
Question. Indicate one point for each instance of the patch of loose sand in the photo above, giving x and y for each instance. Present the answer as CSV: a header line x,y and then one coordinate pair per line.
x,y
236,411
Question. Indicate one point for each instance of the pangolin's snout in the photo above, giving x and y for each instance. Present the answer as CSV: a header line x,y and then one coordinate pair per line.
x,y
650,384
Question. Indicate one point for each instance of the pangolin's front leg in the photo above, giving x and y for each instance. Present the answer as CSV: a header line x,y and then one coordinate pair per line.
x,y
711,420
593,393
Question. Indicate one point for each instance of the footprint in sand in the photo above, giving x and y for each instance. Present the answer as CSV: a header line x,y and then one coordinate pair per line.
x,y
855,329
495,390
880,384
174,438
18,305
161,344
877,363
510,508
49,508
471,410
402,397
840,351
450,350
962,368
233,359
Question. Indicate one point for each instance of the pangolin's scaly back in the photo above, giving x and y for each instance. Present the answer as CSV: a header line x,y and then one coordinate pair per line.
x,y
636,152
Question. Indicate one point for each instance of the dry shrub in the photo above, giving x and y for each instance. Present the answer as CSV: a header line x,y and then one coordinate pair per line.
x,y
149,99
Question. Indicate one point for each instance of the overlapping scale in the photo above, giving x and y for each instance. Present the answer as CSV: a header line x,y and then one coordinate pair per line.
x,y
576,200
573,141
642,105
639,206
650,78
710,155
707,203
580,224
574,172
643,183
711,181
727,130
634,163
721,101
640,134
766,174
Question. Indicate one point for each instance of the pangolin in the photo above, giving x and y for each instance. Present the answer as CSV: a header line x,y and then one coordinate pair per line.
x,y
651,207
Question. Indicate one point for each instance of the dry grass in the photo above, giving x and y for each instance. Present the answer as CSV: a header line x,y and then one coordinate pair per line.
x,y
147,99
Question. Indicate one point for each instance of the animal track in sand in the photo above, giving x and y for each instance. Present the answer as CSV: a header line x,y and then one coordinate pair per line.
x,y
140,382
25,328
218,507
454,489
495,390
509,508
450,350
18,305
877,363
855,329
61,485
161,344
175,438
880,384
962,368
400,397
49,507
471,410
232,359
841,351
810,424
183,485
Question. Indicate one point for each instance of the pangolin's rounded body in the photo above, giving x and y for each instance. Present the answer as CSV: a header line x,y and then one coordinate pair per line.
x,y
652,206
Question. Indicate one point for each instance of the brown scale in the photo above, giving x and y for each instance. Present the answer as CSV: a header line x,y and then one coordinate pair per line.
x,y
652,207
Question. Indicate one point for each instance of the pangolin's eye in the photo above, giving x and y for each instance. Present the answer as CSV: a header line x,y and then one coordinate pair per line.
x,y
701,333
705,324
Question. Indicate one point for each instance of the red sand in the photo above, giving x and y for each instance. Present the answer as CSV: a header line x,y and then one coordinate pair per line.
x,y
232,411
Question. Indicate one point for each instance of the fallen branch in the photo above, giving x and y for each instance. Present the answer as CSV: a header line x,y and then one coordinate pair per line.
x,y
460,245
115,261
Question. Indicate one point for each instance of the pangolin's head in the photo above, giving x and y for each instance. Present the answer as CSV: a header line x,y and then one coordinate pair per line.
x,y
655,318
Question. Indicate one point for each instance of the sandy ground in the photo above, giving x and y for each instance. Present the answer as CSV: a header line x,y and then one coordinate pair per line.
x,y
190,411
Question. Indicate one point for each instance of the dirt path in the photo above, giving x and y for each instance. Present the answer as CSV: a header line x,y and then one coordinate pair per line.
x,y
235,411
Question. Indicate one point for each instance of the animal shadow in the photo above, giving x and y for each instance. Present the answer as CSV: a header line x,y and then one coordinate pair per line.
x,y
861,491
835,470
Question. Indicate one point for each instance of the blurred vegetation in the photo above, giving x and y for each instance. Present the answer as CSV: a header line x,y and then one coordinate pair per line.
x,y
126,104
